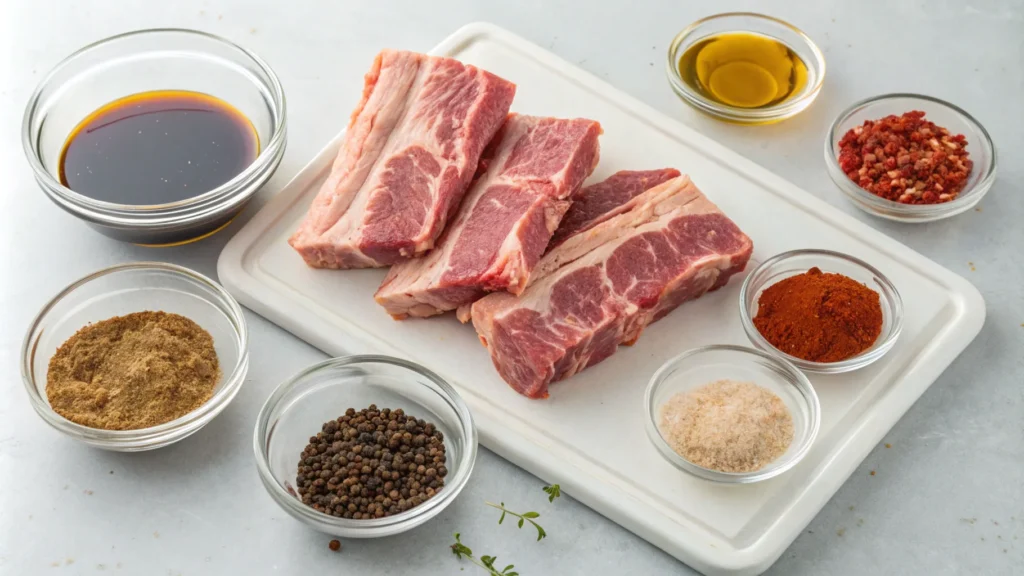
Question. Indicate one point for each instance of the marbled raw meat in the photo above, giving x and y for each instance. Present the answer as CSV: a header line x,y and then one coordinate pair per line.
x,y
408,156
505,221
602,286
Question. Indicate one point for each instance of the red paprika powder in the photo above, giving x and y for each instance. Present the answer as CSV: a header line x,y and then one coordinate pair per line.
x,y
819,316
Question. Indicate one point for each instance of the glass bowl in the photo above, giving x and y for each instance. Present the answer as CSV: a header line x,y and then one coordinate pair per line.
x,y
761,25
979,146
799,261
121,290
299,407
700,366
143,61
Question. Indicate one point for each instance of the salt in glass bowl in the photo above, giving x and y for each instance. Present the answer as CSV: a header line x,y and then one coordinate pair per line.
x,y
300,406
760,25
979,145
125,289
799,261
144,61
701,366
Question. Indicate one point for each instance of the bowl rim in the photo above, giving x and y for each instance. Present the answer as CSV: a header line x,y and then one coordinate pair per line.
x,y
779,111
772,469
269,155
882,207
890,293
142,437
369,527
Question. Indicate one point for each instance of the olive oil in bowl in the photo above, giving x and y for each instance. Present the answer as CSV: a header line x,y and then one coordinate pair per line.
x,y
743,70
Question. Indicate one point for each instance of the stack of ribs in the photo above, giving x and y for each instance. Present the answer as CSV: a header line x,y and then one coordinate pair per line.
x,y
484,213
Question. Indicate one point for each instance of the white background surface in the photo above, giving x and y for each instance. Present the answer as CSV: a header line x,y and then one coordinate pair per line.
x,y
945,499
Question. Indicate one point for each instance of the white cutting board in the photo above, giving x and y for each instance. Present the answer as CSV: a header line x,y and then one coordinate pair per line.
x,y
589,435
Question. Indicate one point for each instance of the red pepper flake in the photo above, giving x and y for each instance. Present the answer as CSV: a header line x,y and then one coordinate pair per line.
x,y
906,159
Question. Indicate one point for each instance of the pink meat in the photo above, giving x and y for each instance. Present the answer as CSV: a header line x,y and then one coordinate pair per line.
x,y
505,221
409,154
601,287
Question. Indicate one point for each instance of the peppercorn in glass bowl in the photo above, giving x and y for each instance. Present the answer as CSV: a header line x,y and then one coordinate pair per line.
x,y
121,290
797,262
298,409
980,148
701,366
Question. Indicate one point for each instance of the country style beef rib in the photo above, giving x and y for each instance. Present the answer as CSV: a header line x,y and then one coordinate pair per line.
x,y
528,173
409,153
602,286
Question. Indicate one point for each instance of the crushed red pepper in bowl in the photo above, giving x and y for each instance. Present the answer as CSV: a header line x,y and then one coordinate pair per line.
x,y
906,159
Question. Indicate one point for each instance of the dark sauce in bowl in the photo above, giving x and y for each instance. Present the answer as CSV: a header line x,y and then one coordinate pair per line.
x,y
157,148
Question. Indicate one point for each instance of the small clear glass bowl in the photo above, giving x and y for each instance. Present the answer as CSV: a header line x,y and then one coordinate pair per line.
x,y
299,407
143,61
799,261
761,25
125,289
979,145
701,366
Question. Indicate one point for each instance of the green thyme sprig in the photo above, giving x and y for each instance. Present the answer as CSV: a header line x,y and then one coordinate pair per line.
x,y
554,491
486,562
523,518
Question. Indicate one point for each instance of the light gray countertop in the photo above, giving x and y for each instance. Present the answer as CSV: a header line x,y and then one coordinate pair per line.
x,y
946,498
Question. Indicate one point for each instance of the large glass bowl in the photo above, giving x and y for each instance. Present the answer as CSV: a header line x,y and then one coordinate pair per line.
x,y
144,61
702,366
299,407
121,290
979,145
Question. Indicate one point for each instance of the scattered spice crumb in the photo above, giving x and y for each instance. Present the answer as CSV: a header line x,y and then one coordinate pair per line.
x,y
970,521
840,532
101,567
996,523
851,508
971,264
69,561
219,16
887,445
977,209
111,471
1004,550
156,534
87,492
334,545
55,564
252,30
872,472
982,538
860,521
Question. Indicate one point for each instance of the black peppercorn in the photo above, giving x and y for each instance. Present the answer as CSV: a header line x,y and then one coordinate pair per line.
x,y
371,463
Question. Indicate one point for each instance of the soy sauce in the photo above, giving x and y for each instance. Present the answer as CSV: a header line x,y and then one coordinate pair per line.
x,y
157,147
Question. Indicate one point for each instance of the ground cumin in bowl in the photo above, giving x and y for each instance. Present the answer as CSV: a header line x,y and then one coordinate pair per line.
x,y
821,310
135,357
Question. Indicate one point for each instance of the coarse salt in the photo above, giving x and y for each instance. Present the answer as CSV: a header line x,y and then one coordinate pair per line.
x,y
727,426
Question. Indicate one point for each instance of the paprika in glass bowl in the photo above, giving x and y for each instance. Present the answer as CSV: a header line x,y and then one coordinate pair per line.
x,y
798,262
979,147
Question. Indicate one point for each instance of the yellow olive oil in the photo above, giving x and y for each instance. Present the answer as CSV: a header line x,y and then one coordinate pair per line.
x,y
743,69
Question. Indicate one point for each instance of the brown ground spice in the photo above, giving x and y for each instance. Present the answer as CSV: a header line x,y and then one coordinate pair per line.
x,y
133,371
819,316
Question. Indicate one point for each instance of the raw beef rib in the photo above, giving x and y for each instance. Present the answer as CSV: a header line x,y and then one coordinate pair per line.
x,y
506,219
409,154
601,287
597,202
